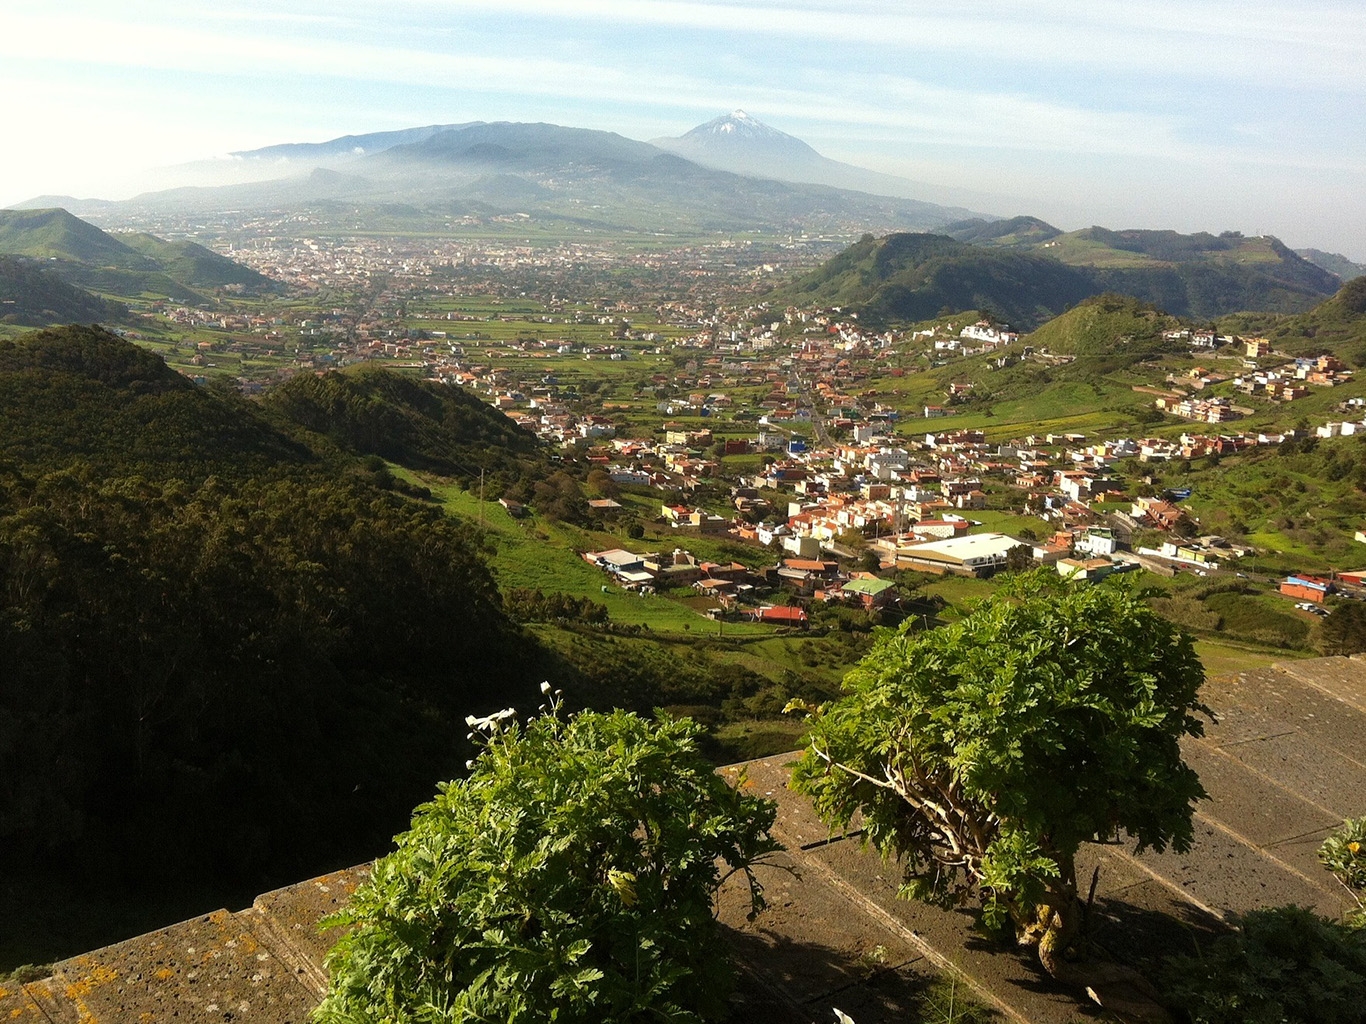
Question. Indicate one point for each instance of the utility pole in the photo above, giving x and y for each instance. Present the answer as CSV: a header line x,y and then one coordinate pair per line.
x,y
481,498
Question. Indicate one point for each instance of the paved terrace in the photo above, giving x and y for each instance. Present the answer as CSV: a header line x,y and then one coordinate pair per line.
x,y
1283,767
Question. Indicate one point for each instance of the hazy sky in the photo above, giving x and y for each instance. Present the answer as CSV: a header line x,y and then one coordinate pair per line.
x,y
1193,114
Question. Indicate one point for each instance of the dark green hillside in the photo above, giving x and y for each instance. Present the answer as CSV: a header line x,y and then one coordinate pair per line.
x,y
191,264
79,395
912,277
421,425
33,296
1213,288
1199,275
212,643
1334,263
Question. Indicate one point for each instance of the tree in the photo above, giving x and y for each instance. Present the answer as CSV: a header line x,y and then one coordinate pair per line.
x,y
570,878
853,538
986,752
1344,629
1020,558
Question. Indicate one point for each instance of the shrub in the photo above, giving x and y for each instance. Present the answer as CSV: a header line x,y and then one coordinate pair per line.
x,y
569,878
1286,966
1344,854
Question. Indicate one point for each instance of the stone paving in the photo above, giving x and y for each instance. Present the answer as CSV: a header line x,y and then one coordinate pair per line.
x,y
1285,763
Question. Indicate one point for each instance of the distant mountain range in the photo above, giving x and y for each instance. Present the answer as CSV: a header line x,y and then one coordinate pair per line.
x,y
91,260
578,177
1026,271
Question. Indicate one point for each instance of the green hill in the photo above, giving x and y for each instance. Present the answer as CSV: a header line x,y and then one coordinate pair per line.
x,y
191,264
58,235
432,427
33,296
1336,326
1334,263
213,638
910,277
1200,274
913,277
1107,325
128,266
1014,232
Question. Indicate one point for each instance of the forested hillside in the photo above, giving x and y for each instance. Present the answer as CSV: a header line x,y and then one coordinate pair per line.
x,y
1336,326
32,296
213,640
914,277
420,425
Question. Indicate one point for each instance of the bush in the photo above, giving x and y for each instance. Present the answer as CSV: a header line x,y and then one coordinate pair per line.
x,y
569,878
1286,966
1344,854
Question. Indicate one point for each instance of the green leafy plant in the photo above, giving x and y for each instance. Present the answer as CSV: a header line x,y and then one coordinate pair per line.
x,y
1344,854
1286,965
570,878
985,753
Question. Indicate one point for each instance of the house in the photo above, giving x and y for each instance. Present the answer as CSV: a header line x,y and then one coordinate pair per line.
x,y
1308,588
1098,540
781,615
976,555
1085,569
871,593
617,561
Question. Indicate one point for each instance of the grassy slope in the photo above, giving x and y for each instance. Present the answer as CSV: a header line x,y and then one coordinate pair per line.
x,y
1337,325
56,234
192,264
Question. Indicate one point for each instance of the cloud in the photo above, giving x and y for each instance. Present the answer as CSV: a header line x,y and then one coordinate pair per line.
x,y
1313,41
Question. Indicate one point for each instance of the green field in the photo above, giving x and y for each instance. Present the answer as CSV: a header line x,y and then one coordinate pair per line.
x,y
534,554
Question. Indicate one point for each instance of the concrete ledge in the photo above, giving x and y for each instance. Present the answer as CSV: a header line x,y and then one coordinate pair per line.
x,y
1283,765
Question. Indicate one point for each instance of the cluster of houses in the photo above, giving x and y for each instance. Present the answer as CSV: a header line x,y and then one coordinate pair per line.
x,y
1204,410
774,594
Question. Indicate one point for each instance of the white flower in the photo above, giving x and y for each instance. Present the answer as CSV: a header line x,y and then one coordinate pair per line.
x,y
545,686
469,765
842,1017
489,723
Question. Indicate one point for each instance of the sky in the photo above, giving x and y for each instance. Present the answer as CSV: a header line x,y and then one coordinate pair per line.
x,y
1246,115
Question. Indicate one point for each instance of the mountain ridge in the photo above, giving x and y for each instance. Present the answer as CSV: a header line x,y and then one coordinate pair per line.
x,y
742,144
571,175
913,277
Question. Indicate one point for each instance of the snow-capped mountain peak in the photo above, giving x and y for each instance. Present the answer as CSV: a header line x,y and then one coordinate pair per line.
x,y
737,125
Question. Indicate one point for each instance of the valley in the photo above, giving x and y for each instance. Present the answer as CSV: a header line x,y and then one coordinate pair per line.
x,y
692,471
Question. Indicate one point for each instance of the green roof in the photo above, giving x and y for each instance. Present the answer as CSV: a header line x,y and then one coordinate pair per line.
x,y
869,587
